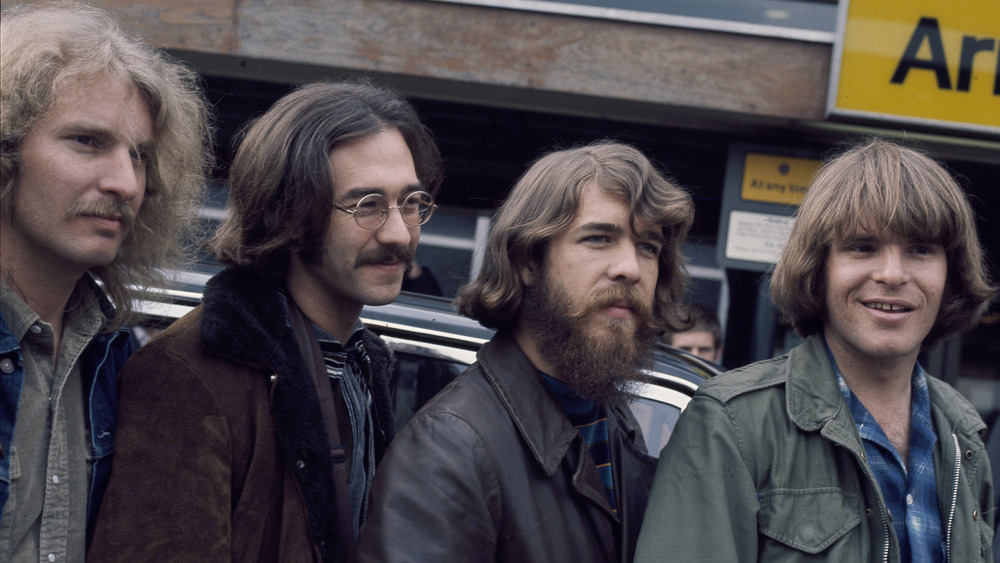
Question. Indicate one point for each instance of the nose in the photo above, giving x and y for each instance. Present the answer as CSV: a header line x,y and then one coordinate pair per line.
x,y
395,231
625,266
124,176
891,268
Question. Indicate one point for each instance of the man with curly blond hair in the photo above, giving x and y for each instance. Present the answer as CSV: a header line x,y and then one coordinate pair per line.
x,y
105,147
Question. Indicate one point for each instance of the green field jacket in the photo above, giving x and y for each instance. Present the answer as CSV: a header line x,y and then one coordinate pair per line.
x,y
766,464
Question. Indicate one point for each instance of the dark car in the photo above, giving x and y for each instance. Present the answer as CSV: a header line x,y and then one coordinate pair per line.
x,y
433,345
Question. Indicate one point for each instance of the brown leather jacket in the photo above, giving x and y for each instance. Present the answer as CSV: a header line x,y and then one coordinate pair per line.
x,y
222,452
492,470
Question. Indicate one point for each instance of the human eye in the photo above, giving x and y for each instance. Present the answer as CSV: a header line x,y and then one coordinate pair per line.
x,y
597,239
412,205
139,154
370,205
925,249
650,249
86,140
857,247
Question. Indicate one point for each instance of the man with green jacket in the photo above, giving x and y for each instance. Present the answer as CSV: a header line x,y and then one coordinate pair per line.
x,y
844,449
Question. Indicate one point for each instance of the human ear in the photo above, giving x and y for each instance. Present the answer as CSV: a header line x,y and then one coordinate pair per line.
x,y
529,274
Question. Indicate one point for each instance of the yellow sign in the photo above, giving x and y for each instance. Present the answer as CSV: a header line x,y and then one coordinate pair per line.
x,y
921,61
777,179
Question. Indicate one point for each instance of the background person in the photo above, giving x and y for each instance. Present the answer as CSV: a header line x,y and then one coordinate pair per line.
x,y
532,454
105,147
844,449
703,339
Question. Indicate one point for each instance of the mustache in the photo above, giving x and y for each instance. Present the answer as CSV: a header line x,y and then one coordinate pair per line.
x,y
104,207
385,254
612,296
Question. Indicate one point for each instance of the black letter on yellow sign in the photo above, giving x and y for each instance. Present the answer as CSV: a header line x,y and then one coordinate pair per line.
x,y
927,29
970,46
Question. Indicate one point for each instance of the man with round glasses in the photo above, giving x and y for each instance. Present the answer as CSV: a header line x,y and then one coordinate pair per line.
x,y
251,428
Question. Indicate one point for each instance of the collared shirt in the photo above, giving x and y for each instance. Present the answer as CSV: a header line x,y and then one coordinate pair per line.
x,y
45,517
349,367
909,490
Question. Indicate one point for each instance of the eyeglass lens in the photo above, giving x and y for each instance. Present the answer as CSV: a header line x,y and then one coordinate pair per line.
x,y
373,209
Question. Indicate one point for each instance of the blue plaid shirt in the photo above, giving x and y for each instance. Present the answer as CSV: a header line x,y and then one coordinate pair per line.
x,y
910,495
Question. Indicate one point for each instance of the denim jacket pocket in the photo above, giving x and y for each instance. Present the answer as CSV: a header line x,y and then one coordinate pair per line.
x,y
808,520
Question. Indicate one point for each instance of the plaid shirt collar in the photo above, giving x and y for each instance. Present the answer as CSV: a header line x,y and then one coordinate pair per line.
x,y
909,490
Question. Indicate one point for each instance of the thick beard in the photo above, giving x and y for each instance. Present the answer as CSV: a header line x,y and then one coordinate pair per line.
x,y
601,367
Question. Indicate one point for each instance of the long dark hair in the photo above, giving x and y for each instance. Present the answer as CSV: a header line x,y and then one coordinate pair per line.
x,y
281,185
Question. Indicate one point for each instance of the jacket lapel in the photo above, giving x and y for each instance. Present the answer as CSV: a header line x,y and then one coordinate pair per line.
x,y
540,420
245,319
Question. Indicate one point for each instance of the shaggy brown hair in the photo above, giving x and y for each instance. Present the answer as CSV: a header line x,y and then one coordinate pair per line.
x,y
900,189
545,201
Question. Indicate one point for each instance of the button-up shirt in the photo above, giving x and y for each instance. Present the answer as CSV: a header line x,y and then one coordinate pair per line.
x,y
45,518
909,489
349,367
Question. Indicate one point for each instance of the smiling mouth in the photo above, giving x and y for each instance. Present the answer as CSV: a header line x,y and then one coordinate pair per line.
x,y
888,307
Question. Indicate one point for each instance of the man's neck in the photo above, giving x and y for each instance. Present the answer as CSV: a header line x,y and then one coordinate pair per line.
x,y
886,379
338,318
885,388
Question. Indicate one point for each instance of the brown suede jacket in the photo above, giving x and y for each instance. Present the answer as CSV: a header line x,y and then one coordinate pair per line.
x,y
222,453
492,470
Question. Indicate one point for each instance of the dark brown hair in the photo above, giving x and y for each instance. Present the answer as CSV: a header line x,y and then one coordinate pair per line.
x,y
897,188
281,185
546,200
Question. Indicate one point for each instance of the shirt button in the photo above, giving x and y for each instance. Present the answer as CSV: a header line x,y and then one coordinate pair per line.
x,y
52,557
909,500
55,479
35,329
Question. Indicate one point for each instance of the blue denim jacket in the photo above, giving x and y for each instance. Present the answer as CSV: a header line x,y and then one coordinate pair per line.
x,y
99,365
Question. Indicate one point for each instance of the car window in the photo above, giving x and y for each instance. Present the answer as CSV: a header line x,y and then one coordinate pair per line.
x,y
656,420
418,378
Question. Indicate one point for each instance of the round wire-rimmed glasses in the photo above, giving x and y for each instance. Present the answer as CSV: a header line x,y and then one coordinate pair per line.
x,y
372,210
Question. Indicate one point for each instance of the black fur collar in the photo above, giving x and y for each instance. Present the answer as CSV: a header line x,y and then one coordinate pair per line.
x,y
245,318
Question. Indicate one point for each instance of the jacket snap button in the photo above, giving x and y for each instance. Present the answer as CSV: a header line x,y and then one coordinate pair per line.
x,y
975,515
7,365
868,512
969,454
300,464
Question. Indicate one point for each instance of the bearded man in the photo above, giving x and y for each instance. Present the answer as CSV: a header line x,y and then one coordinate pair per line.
x,y
532,454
